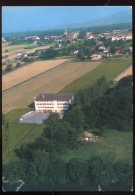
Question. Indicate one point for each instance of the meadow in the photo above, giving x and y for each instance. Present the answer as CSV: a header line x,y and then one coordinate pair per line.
x,y
109,68
114,142
17,134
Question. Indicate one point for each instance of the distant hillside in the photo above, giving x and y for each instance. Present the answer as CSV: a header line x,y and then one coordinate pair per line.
x,y
118,18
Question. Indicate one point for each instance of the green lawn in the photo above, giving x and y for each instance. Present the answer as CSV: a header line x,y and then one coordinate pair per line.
x,y
13,116
113,141
18,134
109,68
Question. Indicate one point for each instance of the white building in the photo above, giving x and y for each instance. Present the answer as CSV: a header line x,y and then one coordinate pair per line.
x,y
3,40
96,57
129,37
53,102
117,38
35,38
102,47
21,55
90,36
131,49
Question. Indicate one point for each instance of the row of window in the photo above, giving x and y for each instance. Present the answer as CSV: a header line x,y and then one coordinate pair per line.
x,y
49,102
44,104
41,107
52,104
44,107
50,111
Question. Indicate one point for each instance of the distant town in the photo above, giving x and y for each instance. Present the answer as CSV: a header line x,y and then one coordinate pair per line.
x,y
87,46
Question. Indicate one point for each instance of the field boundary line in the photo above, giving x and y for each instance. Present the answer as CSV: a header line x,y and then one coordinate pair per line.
x,y
38,75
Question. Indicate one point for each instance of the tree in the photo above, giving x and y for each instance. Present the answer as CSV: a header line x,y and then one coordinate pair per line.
x,y
6,56
101,169
18,64
48,54
116,100
25,152
90,116
38,168
8,68
75,117
78,171
81,54
15,170
57,170
5,130
90,94
53,117
124,173
109,173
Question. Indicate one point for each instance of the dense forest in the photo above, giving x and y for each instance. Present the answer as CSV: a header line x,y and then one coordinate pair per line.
x,y
99,107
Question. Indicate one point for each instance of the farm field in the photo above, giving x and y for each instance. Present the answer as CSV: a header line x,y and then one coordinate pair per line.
x,y
13,47
128,71
109,68
113,142
12,50
29,71
51,81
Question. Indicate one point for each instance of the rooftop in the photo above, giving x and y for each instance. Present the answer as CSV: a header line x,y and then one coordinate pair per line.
x,y
54,96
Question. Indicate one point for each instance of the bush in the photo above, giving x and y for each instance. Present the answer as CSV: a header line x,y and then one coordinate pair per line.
x,y
18,64
8,68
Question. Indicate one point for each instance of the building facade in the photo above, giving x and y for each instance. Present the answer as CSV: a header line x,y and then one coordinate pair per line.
x,y
59,102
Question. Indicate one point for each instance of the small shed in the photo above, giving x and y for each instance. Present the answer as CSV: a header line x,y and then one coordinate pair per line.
x,y
88,136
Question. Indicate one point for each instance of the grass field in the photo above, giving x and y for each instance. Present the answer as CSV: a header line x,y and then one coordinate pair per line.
x,y
13,116
118,143
17,134
50,81
109,68
29,71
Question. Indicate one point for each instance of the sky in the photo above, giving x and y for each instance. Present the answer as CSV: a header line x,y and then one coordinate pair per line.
x,y
25,18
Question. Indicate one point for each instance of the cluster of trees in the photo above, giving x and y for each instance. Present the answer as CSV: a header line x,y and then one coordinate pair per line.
x,y
46,171
114,109
90,94
9,68
48,53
